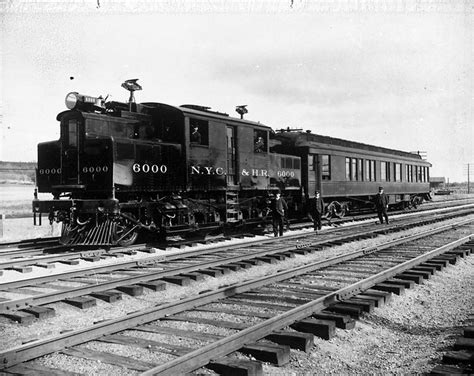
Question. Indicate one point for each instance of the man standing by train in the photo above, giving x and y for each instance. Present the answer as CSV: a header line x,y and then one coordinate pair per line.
x,y
381,204
316,210
279,209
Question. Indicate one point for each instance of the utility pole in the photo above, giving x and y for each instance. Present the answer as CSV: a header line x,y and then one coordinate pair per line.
x,y
469,177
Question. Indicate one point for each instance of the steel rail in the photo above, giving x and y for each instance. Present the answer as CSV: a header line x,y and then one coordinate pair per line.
x,y
26,242
98,252
154,260
42,347
31,251
33,261
15,304
71,255
8,306
45,298
149,261
202,356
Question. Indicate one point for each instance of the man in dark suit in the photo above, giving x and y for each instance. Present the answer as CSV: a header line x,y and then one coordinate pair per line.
x,y
316,210
196,136
279,208
381,204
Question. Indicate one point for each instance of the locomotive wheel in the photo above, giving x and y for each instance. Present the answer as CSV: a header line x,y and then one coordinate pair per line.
x,y
126,230
415,202
331,211
341,213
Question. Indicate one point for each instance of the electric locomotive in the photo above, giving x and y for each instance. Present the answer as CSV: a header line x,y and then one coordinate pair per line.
x,y
119,169
122,168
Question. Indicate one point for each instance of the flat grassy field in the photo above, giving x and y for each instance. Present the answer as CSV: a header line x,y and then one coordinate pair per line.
x,y
15,200
17,223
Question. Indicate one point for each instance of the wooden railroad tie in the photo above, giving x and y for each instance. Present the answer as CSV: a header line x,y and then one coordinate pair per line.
x,y
324,329
178,280
109,358
22,269
40,312
268,352
20,317
81,302
154,285
296,340
132,290
109,296
194,276
341,321
461,360
228,366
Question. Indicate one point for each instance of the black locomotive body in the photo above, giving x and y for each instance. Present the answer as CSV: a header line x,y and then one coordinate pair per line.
x,y
121,168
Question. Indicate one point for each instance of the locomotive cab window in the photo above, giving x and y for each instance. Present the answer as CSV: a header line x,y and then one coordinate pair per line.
x,y
199,132
70,133
260,141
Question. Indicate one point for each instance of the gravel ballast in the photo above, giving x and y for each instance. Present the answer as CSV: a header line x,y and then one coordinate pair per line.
x,y
407,336
404,337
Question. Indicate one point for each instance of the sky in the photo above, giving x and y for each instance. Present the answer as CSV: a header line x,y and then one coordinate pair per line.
x,y
386,73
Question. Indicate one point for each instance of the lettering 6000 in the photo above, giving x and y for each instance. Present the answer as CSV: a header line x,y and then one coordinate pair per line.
x,y
146,168
286,173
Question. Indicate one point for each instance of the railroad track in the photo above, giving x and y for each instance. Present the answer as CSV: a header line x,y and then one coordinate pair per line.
x,y
288,299
459,359
45,254
22,298
28,247
37,246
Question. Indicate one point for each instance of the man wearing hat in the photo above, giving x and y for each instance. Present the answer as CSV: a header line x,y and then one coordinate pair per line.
x,y
279,208
316,210
381,204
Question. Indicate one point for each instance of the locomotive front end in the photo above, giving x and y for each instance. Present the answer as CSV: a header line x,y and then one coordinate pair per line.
x,y
78,171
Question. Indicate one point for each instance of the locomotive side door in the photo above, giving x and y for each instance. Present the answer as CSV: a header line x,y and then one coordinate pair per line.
x,y
231,156
72,130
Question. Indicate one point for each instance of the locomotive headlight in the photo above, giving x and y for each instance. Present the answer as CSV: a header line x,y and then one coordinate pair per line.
x,y
75,100
71,100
